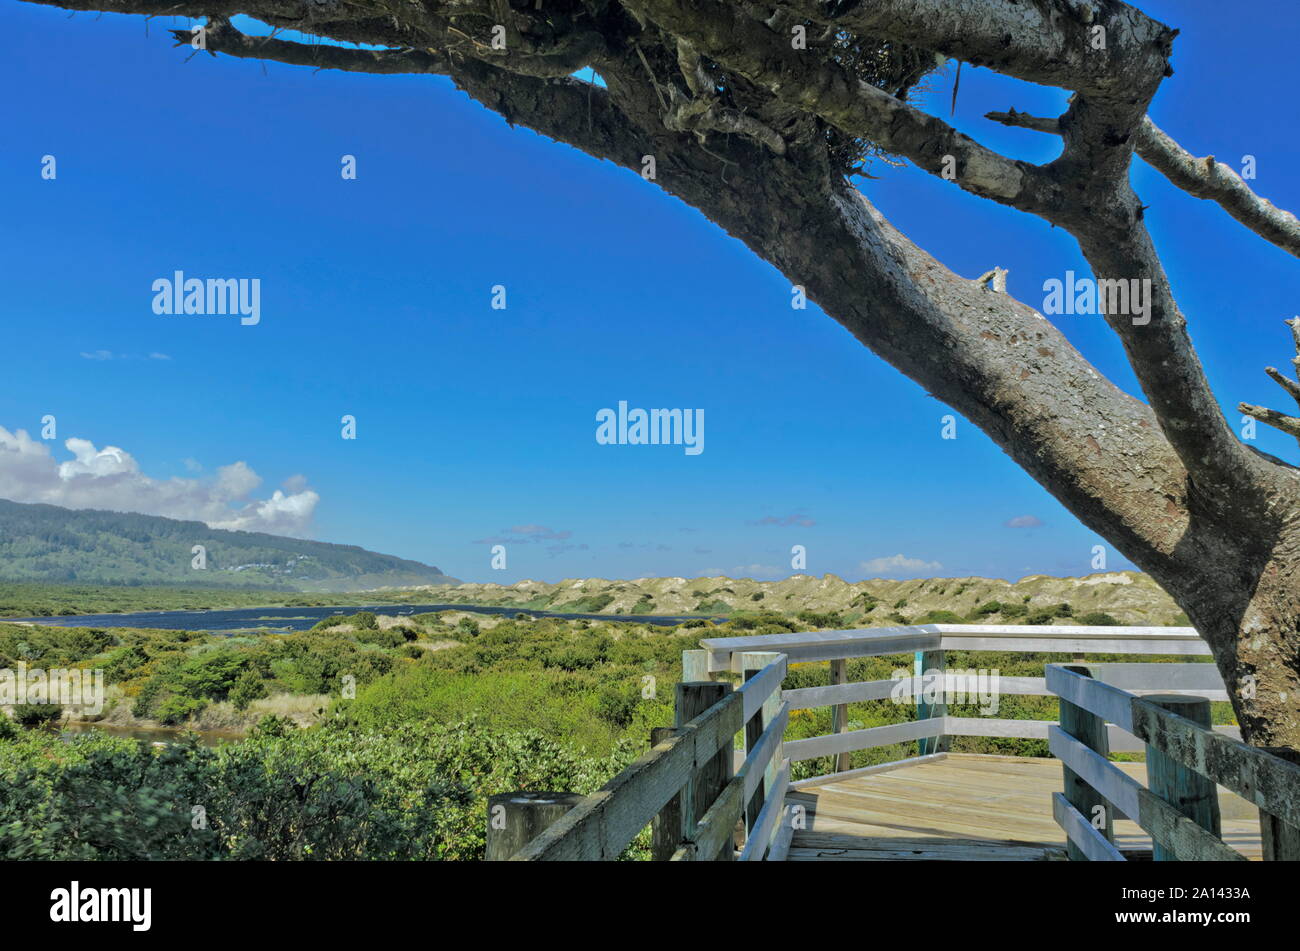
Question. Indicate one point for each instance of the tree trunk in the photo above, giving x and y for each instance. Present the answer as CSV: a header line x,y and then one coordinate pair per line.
x,y
1251,617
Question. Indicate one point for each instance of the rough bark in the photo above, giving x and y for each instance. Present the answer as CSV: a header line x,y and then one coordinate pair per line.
x,y
759,135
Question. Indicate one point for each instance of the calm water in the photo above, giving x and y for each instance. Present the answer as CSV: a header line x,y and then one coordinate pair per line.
x,y
300,619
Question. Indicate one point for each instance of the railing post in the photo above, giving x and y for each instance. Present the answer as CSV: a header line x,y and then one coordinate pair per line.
x,y
1281,841
751,664
1090,730
695,666
927,661
666,829
1192,794
693,698
840,713
515,819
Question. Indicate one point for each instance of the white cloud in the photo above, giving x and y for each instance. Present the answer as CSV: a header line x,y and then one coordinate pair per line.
x,y
798,518
897,564
110,478
524,535
110,355
760,572
1023,521
756,572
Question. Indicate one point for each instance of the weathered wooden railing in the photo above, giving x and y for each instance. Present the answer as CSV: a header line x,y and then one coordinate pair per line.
x,y
1179,807
685,787
705,803
932,726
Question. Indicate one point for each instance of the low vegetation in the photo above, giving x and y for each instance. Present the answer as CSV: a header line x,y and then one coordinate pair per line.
x,y
382,736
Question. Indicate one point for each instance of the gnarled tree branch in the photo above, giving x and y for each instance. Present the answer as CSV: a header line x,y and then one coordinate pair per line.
x,y
751,48
1288,424
1202,178
1049,42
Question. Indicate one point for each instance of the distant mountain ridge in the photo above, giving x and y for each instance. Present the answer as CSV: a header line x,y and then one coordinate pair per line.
x,y
47,543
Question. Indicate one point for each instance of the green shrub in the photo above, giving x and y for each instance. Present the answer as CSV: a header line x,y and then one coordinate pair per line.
x,y
713,607
617,705
282,794
210,676
36,714
393,637
1100,619
177,709
124,662
821,619
591,604
939,617
247,688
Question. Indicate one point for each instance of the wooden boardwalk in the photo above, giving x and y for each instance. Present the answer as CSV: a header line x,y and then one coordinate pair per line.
x,y
705,799
967,807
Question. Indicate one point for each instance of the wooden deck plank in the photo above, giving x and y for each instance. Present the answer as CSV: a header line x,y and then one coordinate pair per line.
x,y
932,795
976,826
981,785
964,807
955,811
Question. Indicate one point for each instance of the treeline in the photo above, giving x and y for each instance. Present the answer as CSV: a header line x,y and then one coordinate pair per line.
x,y
52,544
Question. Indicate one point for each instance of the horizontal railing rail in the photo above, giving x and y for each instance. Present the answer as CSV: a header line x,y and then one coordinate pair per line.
x,y
672,784
929,644
1191,757
808,646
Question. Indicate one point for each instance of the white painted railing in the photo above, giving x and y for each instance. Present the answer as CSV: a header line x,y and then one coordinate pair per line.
x,y
696,808
928,643
1179,806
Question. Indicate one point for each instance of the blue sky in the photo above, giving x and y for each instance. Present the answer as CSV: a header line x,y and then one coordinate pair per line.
x,y
476,424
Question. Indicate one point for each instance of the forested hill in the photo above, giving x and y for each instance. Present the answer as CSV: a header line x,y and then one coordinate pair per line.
x,y
53,544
